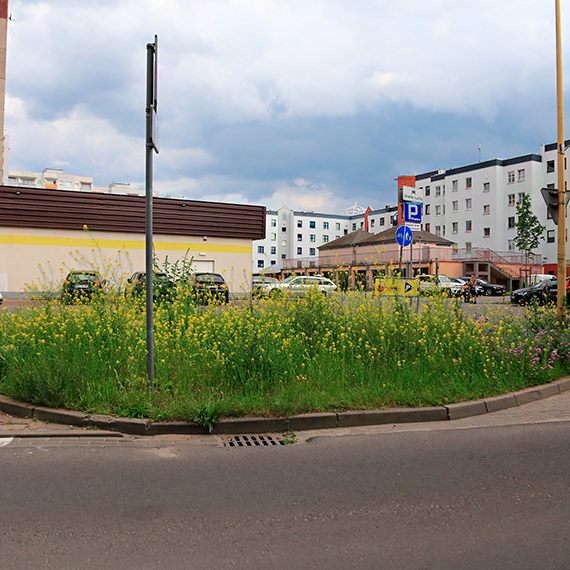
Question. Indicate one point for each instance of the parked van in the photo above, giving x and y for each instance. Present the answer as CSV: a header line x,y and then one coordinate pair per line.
x,y
537,278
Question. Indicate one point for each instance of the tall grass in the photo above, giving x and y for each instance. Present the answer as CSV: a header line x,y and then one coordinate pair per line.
x,y
272,357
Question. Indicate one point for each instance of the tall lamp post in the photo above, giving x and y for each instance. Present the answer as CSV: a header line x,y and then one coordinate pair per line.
x,y
561,272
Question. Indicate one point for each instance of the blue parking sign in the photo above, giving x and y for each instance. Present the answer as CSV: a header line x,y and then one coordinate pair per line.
x,y
413,212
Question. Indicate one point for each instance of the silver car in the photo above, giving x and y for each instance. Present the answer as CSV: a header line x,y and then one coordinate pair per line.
x,y
261,286
299,285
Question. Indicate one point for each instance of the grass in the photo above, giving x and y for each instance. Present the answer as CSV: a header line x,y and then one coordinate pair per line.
x,y
274,357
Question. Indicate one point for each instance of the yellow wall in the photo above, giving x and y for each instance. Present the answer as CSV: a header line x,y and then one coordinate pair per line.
x,y
39,256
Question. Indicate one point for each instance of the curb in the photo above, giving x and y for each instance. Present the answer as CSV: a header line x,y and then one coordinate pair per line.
x,y
251,425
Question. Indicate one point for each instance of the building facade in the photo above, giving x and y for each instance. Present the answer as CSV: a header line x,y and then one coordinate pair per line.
x,y
475,205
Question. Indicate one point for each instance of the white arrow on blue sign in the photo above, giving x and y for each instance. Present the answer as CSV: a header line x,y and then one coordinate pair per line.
x,y
404,236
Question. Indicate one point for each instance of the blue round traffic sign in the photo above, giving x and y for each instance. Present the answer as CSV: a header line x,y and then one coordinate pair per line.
x,y
404,236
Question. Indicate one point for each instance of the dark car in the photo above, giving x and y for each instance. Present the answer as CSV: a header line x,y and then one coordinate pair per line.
x,y
550,291
209,288
163,287
486,288
81,286
538,293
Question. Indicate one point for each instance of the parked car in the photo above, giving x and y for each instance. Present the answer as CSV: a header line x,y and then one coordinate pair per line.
x,y
209,288
537,293
550,291
81,286
261,285
299,285
438,284
486,288
163,287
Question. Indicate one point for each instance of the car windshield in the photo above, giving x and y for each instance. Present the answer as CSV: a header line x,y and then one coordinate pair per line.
x,y
209,278
77,277
444,279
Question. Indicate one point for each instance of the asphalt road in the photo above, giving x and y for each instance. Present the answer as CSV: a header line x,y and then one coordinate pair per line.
x,y
489,497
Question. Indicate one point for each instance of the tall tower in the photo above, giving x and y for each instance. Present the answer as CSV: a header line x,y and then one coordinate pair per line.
x,y
3,44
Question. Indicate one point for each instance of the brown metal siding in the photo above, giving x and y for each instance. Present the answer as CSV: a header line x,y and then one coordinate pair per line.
x,y
62,209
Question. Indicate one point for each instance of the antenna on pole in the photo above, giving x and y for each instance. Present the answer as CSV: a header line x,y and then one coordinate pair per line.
x,y
480,153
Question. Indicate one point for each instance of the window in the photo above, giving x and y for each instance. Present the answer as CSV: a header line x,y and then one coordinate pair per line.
x,y
438,210
442,230
82,185
521,175
353,227
381,221
550,236
511,199
273,236
454,205
325,225
468,226
454,186
511,222
299,237
486,209
511,177
325,239
438,190
427,207
28,181
312,224
520,197
468,203
260,263
468,182
337,225
284,229
511,245
299,251
486,232
299,223
550,166
437,230
454,228
468,246
428,191
311,251
273,250
273,262
283,256
427,227
312,237
260,249
361,225
273,222
372,222
283,243
486,186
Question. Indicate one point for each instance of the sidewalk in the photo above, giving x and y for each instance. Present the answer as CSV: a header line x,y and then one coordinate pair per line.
x,y
549,402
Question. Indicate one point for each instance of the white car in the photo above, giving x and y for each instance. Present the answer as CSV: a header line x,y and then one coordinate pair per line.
x,y
299,285
261,285
442,284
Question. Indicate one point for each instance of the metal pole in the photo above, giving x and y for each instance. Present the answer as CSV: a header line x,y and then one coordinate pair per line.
x,y
561,289
150,108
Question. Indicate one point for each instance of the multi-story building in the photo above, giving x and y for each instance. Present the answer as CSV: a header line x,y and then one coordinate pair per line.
x,y
293,238
475,205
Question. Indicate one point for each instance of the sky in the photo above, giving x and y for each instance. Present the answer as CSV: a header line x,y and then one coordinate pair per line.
x,y
312,104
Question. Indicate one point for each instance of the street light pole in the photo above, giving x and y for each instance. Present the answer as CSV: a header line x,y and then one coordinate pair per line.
x,y
561,272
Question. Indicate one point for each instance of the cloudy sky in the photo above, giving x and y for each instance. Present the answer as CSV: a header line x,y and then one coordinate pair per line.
x,y
315,104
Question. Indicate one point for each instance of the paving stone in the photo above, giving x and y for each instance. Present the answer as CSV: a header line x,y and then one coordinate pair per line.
x,y
500,402
466,409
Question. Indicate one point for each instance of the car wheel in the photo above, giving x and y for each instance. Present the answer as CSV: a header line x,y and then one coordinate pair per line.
x,y
488,292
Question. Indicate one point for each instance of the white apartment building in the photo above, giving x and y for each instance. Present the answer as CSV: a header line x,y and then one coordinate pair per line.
x,y
293,238
475,205
57,179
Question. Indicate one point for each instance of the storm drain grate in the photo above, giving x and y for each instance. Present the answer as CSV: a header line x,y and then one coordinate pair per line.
x,y
253,441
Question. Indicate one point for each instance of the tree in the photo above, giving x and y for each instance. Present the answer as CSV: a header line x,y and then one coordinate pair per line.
x,y
529,229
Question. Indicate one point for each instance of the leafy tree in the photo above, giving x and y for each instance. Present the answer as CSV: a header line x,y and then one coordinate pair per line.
x,y
529,229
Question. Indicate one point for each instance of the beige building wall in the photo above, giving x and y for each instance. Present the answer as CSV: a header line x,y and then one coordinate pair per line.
x,y
43,257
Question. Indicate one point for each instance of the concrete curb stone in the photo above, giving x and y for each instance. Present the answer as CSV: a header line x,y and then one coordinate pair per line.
x,y
392,416
500,402
175,428
250,425
564,385
526,396
16,409
466,409
59,416
548,390
322,420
